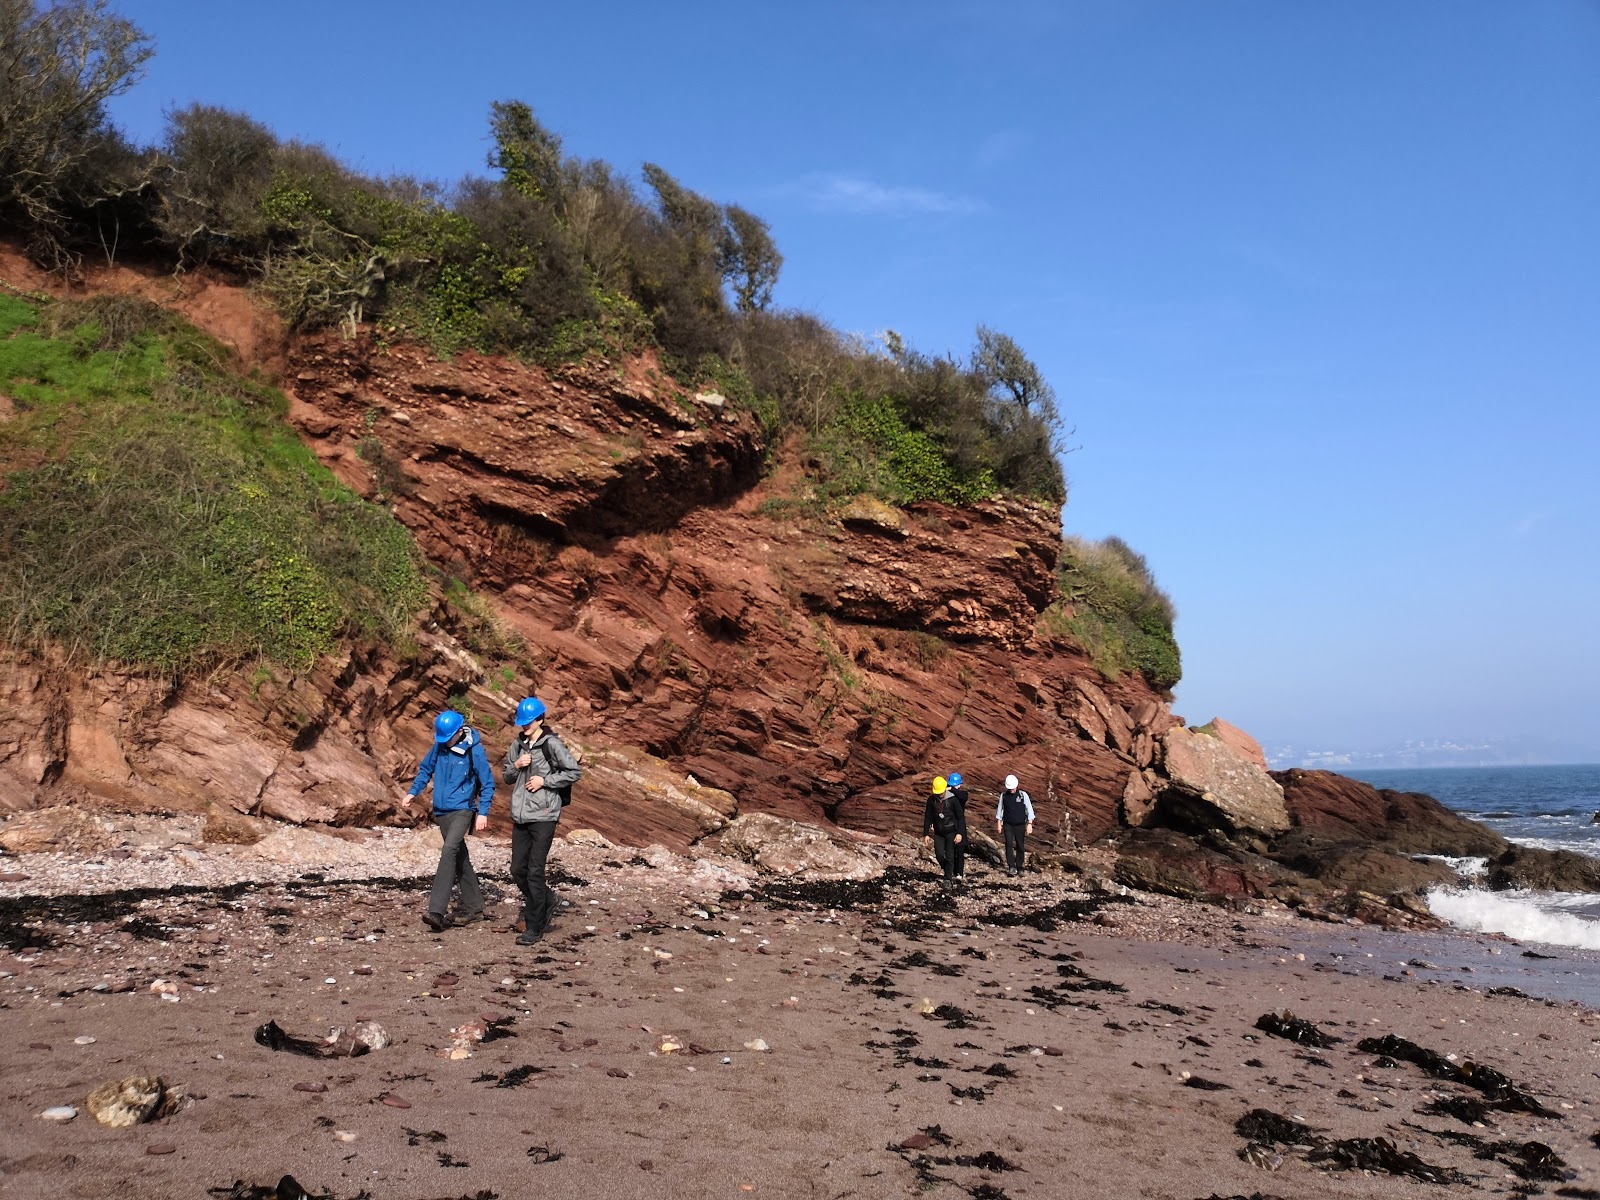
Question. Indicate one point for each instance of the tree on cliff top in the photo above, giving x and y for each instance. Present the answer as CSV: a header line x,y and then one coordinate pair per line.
x,y
526,153
736,242
58,67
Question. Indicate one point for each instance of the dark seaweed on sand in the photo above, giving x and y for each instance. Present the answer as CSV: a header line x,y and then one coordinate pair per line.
x,y
987,1161
499,1028
1380,1154
953,1017
1264,1125
1463,1108
287,1188
1208,1085
1081,981
1502,1093
1287,1025
1529,1160
1049,919
23,918
841,894
272,1036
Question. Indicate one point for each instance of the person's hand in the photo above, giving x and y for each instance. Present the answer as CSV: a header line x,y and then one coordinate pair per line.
x,y
405,800
927,839
1030,826
480,824
525,761
958,839
535,782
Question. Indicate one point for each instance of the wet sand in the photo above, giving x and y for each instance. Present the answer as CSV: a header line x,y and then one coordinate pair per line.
x,y
1014,1040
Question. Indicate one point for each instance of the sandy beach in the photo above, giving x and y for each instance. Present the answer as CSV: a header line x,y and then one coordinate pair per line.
x,y
685,1031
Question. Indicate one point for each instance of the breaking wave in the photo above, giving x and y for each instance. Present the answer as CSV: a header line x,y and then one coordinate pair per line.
x,y
1555,918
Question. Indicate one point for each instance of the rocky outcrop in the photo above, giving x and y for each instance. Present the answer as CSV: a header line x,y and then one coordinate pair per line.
x,y
1545,870
1327,809
783,847
325,747
717,643
1214,786
816,667
1238,739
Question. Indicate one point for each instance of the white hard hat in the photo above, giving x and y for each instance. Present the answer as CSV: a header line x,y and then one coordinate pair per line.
x,y
1011,783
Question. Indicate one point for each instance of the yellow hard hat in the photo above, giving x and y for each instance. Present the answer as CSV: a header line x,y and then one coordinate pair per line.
x,y
938,785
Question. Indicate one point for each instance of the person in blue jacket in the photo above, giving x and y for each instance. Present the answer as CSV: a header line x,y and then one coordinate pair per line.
x,y
463,788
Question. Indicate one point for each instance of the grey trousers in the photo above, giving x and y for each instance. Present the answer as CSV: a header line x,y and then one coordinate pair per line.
x,y
454,865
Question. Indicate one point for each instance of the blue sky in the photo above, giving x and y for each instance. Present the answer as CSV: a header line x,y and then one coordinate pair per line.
x,y
1319,285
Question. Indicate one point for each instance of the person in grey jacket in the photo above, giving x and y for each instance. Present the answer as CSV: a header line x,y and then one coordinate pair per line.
x,y
542,770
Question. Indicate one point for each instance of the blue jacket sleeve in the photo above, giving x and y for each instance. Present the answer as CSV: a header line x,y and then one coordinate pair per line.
x,y
480,764
425,771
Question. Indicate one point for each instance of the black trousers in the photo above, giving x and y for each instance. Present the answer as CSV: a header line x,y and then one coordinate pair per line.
x,y
1016,835
952,855
530,848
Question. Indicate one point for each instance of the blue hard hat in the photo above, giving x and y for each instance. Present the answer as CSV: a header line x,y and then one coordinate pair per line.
x,y
955,779
447,724
529,711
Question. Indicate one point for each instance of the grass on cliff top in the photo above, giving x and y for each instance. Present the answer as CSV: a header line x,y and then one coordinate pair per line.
x,y
1113,608
156,511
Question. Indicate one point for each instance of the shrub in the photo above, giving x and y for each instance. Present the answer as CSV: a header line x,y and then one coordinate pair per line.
x,y
200,530
1113,608
59,156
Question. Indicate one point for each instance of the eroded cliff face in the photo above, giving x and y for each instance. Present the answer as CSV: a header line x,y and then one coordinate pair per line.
x,y
818,667
711,655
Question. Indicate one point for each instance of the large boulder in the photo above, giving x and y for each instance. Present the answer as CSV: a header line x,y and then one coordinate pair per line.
x,y
1212,785
1232,735
634,799
1162,860
1336,810
785,847
1545,870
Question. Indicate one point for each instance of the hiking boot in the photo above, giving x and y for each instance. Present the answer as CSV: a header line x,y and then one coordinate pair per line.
x,y
529,937
437,922
470,917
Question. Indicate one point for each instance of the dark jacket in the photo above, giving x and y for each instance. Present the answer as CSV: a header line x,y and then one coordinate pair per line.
x,y
948,817
553,761
1015,808
458,769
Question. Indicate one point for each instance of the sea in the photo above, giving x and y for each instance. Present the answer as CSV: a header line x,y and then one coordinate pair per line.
x,y
1553,808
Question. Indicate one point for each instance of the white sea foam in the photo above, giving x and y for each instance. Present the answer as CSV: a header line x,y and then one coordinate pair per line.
x,y
1526,916
1470,867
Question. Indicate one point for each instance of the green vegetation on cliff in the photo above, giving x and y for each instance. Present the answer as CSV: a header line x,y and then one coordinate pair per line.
x,y
208,533
157,510
553,257
1112,607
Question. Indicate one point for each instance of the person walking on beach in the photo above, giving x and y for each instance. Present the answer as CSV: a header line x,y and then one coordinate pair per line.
x,y
944,823
463,789
1013,819
960,795
542,770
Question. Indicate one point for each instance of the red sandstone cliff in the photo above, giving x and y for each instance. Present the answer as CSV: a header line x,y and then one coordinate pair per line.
x,y
819,667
